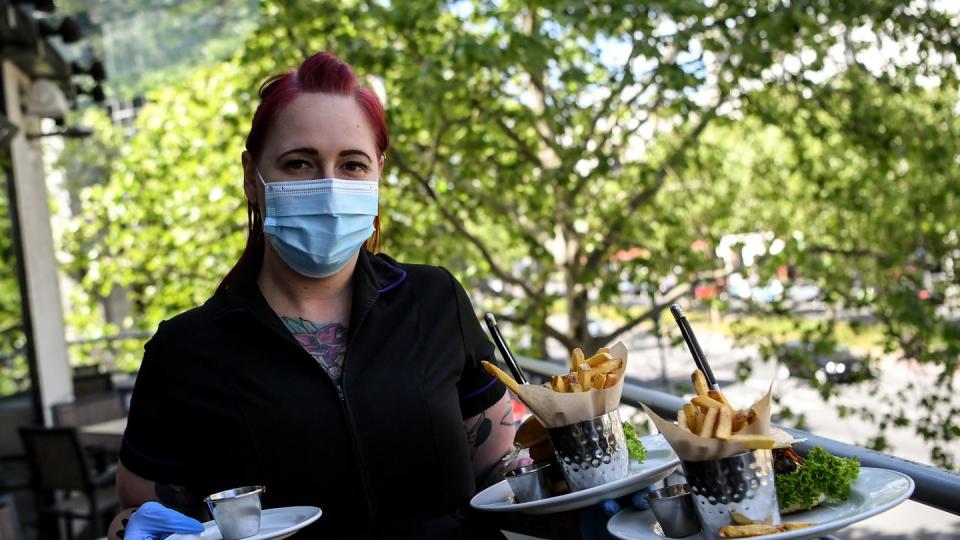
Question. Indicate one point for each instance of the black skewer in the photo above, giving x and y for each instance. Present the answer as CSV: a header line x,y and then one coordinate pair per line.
x,y
698,357
504,349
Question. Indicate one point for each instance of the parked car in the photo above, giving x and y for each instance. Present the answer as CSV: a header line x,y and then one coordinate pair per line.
x,y
839,366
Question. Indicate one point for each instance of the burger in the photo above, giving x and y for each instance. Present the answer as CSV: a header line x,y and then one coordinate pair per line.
x,y
804,483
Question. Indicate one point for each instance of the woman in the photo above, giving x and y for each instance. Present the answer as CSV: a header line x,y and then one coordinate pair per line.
x,y
333,376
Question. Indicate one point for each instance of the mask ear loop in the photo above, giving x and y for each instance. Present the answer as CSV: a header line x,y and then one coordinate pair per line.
x,y
373,243
254,218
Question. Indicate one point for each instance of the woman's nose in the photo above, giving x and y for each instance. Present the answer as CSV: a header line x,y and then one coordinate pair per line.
x,y
328,171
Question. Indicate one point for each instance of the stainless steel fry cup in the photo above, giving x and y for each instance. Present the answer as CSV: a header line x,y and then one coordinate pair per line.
x,y
740,484
593,452
530,482
673,506
236,511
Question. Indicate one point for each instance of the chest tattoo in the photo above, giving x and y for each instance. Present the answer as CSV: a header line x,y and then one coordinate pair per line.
x,y
326,343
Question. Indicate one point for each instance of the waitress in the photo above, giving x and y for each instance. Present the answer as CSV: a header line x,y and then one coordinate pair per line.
x,y
327,372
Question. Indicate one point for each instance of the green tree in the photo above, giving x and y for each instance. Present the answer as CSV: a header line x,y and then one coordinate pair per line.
x,y
870,173
547,151
547,137
13,365
144,44
164,223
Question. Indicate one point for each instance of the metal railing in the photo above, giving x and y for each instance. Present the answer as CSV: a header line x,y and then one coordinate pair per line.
x,y
934,487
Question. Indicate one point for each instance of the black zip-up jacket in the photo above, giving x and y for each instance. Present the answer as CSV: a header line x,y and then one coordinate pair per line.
x,y
226,397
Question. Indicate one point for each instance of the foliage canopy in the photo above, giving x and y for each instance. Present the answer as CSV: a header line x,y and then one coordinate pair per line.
x,y
550,152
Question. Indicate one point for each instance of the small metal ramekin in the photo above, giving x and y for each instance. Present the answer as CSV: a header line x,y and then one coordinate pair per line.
x,y
236,511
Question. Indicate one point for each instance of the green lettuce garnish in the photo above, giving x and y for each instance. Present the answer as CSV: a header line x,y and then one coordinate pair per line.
x,y
822,474
634,447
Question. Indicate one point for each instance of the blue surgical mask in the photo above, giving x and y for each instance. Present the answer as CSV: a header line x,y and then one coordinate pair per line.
x,y
317,226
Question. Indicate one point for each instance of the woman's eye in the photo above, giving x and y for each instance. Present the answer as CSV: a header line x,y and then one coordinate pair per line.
x,y
355,167
296,165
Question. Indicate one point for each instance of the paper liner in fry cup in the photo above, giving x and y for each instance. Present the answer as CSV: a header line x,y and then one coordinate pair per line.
x,y
690,447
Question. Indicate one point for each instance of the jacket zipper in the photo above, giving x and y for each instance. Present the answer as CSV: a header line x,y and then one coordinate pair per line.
x,y
345,409
353,439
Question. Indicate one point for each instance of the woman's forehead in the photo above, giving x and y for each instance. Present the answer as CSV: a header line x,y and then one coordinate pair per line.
x,y
322,121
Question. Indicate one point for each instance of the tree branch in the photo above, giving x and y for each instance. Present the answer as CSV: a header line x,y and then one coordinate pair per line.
x,y
615,92
435,146
549,330
457,224
682,290
518,220
644,196
521,145
624,139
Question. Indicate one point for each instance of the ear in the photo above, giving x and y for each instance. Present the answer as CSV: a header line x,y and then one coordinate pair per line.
x,y
251,183
381,161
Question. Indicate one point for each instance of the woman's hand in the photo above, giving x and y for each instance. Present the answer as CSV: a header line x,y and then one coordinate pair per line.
x,y
153,521
593,520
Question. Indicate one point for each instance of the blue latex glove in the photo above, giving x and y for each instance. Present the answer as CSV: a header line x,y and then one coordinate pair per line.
x,y
593,519
154,521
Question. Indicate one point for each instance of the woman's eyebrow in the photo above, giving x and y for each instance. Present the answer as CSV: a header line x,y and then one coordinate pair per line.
x,y
354,152
313,152
301,150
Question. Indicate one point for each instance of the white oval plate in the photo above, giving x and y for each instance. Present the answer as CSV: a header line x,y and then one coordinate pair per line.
x,y
275,524
660,462
873,492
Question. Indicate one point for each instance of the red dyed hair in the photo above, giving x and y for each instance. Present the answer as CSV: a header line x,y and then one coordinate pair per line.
x,y
322,73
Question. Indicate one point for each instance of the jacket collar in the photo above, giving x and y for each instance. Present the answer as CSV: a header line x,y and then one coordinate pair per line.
x,y
374,275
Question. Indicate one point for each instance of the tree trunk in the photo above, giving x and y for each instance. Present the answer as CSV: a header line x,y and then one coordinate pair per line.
x,y
577,316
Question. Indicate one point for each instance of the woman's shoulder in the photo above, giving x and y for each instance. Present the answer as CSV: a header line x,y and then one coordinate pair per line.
x,y
189,325
419,274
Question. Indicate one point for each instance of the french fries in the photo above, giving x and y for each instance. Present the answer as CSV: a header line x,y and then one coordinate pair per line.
x,y
724,423
504,378
700,383
595,372
758,529
705,403
745,531
690,411
754,442
576,358
709,414
583,375
600,358
717,396
709,423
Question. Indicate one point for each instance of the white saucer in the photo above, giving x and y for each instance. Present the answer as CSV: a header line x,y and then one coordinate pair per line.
x,y
275,524
873,492
661,461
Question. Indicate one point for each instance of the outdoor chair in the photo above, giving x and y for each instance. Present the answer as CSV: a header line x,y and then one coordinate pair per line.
x,y
58,465
15,411
86,370
85,384
90,410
